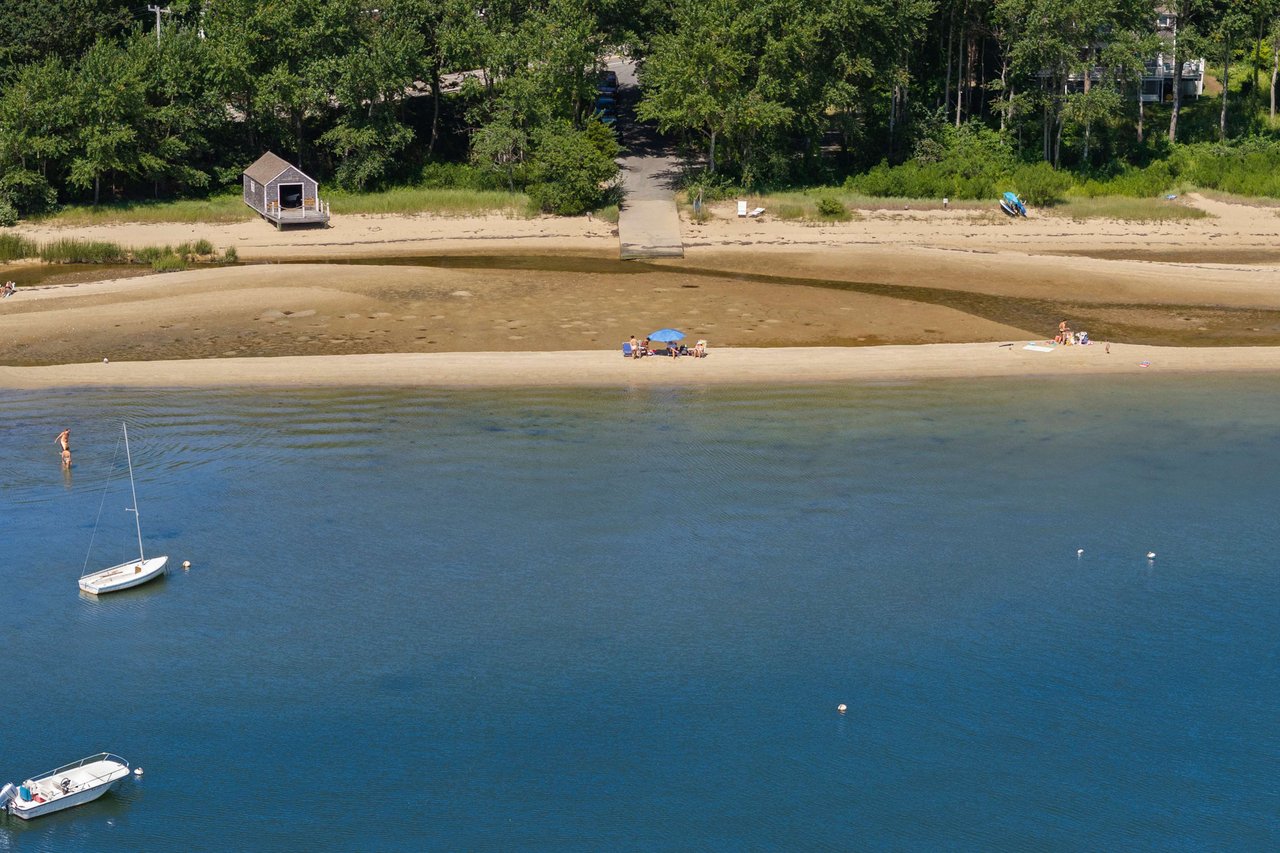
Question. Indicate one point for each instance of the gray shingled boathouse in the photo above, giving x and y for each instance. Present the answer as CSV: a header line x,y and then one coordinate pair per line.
x,y
283,194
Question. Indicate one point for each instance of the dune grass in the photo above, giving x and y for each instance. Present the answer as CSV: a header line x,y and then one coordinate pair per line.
x,y
228,209
216,210
15,247
69,251
438,201
1125,209
159,258
805,204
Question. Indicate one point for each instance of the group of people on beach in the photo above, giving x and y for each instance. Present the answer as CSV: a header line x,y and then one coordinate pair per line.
x,y
641,349
1066,337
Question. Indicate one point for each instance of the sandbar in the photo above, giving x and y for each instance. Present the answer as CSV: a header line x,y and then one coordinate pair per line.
x,y
491,301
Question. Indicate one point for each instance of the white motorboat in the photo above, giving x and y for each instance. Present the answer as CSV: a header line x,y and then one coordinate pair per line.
x,y
73,784
130,573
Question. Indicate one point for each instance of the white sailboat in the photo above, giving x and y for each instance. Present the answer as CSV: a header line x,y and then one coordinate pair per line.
x,y
72,784
133,572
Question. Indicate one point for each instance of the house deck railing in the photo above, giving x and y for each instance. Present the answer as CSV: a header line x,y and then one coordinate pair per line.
x,y
312,210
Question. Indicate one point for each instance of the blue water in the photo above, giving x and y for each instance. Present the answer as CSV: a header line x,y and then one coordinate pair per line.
x,y
624,619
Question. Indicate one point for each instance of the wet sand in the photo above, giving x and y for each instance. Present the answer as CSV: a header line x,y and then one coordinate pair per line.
x,y
380,286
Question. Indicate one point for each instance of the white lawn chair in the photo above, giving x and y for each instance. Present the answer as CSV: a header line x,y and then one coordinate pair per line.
x,y
742,209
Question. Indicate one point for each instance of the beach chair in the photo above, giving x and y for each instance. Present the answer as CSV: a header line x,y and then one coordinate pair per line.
x,y
756,212
742,208
626,350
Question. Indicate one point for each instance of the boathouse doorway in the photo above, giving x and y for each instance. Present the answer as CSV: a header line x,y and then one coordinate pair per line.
x,y
290,196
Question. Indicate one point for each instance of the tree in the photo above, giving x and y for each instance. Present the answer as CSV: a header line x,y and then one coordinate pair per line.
x,y
694,75
37,30
371,78
572,169
1184,34
109,99
1232,22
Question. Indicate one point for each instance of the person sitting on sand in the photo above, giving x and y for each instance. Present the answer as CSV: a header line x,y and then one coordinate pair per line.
x,y
700,349
644,348
9,289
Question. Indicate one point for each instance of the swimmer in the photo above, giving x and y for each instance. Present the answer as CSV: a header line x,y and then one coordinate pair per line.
x,y
64,441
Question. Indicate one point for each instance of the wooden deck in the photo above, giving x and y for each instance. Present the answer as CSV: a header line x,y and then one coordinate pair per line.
x,y
312,212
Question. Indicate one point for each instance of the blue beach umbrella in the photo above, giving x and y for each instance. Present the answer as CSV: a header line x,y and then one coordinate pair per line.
x,y
666,336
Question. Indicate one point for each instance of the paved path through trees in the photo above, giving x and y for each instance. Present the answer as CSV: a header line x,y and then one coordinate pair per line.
x,y
648,223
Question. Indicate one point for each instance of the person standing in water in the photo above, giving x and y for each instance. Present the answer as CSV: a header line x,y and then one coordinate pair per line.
x,y
64,441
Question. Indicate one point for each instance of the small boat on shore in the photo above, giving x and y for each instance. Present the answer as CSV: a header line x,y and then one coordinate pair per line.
x,y
132,572
71,785
1012,205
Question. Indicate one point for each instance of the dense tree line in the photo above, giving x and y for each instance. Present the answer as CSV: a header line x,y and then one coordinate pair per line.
x,y
95,103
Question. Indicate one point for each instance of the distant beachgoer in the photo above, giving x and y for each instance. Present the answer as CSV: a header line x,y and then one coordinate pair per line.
x,y
700,349
644,347
635,347
9,289
64,441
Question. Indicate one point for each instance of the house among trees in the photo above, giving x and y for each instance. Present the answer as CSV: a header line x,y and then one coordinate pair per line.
x,y
1158,74
1158,78
282,193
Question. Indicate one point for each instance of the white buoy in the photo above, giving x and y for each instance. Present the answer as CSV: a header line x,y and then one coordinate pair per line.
x,y
1079,552
137,771
1151,555
842,707
186,564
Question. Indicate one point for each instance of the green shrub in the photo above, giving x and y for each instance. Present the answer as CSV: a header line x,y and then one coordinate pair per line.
x,y
462,176
715,187
572,169
8,214
27,191
203,248
1040,184
1249,168
832,208
965,163
230,256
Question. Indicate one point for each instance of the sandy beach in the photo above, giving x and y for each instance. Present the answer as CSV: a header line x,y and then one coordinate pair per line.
x,y
422,300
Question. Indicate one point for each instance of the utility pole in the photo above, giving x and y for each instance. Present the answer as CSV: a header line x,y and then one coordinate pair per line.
x,y
166,10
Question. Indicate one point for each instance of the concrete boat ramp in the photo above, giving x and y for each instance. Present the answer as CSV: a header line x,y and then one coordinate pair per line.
x,y
648,222
649,228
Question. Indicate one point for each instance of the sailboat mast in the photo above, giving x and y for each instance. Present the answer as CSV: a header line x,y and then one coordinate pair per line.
x,y
136,520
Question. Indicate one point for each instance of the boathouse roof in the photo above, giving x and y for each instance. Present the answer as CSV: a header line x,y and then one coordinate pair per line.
x,y
267,167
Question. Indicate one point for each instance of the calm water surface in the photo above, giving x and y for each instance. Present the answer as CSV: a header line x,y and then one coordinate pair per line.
x,y
623,620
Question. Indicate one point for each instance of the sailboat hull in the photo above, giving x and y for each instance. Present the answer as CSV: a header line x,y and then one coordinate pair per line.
x,y
124,576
